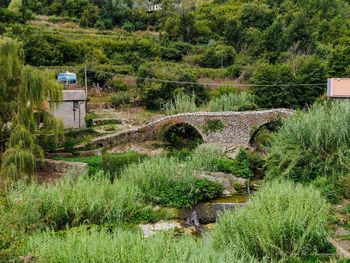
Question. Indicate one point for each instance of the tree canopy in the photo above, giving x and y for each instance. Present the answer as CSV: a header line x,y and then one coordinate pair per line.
x,y
24,111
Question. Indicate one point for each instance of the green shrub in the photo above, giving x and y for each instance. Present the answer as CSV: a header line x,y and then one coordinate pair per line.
x,y
89,119
118,85
113,164
181,103
156,94
212,126
241,166
312,144
120,99
84,200
232,102
222,90
118,245
281,222
164,181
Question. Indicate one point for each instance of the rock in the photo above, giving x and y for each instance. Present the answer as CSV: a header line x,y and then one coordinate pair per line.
x,y
208,212
149,229
230,183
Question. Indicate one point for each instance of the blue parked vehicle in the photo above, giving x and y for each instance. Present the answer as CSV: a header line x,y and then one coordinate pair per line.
x,y
67,78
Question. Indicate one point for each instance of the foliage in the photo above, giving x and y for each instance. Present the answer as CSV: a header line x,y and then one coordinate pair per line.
x,y
277,85
89,120
23,95
218,56
212,126
84,200
181,103
312,144
113,164
120,98
182,136
282,221
164,181
118,85
232,102
156,93
121,245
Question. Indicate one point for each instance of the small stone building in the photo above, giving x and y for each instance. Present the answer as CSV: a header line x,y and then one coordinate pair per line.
x,y
72,109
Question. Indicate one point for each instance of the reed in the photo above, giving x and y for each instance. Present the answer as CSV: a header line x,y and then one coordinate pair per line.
x,y
125,246
282,221
181,103
73,202
232,102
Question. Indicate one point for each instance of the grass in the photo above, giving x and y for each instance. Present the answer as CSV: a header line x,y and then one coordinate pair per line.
x,y
282,221
312,144
112,163
169,182
85,200
232,102
125,246
181,103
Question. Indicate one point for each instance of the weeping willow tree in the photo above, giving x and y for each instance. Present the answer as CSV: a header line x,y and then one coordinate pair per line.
x,y
24,111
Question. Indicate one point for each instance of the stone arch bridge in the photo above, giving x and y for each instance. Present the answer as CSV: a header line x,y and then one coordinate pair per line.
x,y
234,128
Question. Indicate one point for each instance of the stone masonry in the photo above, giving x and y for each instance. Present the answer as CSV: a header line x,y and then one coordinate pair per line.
x,y
237,129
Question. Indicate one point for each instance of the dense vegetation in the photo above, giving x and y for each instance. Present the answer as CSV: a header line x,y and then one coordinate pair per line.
x,y
220,55
313,146
279,46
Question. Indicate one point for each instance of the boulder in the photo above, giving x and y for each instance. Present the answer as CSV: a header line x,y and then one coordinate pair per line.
x,y
230,183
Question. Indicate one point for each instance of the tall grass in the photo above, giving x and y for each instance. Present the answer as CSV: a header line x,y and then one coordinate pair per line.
x,y
181,103
85,200
313,143
232,102
169,182
125,246
282,221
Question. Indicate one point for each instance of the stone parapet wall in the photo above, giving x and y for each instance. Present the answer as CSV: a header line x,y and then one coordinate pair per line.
x,y
62,167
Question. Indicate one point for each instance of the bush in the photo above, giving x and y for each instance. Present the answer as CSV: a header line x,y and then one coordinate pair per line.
x,y
118,85
156,94
282,221
115,163
312,144
89,120
84,200
222,90
181,103
164,181
120,99
212,126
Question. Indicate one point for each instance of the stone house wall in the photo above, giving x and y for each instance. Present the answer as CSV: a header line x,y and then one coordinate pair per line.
x,y
71,118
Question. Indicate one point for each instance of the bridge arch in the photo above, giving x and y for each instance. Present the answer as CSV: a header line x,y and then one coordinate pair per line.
x,y
272,126
182,134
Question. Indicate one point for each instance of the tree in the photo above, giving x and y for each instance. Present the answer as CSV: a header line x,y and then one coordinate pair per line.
x,y
90,16
24,92
285,85
15,6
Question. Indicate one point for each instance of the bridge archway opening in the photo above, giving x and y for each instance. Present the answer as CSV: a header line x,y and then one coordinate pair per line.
x,y
261,137
182,135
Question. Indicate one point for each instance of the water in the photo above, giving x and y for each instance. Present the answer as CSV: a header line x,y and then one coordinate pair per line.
x,y
207,212
233,199
193,220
